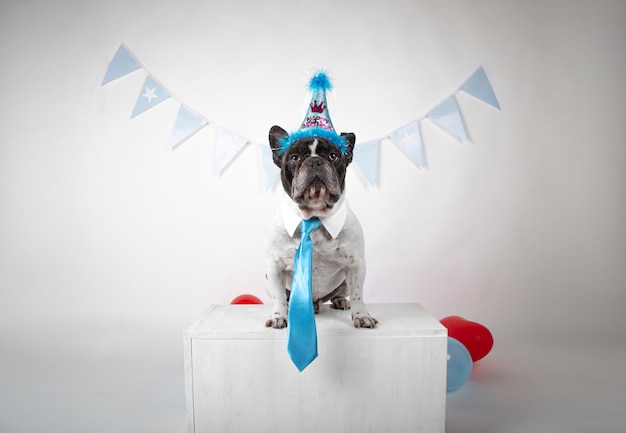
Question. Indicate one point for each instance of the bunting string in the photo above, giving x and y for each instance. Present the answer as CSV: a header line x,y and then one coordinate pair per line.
x,y
228,144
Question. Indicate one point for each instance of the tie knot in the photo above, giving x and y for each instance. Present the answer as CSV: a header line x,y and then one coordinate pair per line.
x,y
307,226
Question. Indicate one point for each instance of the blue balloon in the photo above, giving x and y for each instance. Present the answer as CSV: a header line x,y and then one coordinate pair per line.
x,y
459,365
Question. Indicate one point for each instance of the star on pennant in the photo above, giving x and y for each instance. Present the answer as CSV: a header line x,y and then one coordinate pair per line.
x,y
408,138
150,94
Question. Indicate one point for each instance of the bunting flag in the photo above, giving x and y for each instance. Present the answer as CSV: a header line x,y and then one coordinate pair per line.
x,y
187,123
479,87
366,159
270,170
123,63
227,147
151,94
409,139
228,144
448,116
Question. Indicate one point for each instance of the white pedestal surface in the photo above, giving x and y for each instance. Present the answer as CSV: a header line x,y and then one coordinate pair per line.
x,y
239,377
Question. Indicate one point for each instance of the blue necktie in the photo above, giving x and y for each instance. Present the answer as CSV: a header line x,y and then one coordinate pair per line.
x,y
301,332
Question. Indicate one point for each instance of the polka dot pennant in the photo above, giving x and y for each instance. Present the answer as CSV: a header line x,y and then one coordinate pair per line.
x,y
270,170
187,124
448,116
366,159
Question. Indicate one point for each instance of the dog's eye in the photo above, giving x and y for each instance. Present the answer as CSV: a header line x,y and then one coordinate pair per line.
x,y
333,156
295,158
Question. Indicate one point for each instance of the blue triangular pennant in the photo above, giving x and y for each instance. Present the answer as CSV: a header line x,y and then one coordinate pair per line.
x,y
366,158
227,147
408,138
150,95
478,86
187,124
123,63
270,170
448,116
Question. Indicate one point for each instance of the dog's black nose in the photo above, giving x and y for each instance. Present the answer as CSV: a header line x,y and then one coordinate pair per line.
x,y
314,162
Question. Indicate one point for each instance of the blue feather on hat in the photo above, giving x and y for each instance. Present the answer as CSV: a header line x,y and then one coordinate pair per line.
x,y
320,81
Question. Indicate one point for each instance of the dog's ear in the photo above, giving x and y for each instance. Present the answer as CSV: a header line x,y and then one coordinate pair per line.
x,y
350,140
276,134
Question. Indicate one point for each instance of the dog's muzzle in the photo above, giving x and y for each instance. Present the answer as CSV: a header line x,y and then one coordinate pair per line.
x,y
316,181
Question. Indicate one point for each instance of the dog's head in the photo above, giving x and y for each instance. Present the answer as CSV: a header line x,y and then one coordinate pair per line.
x,y
312,169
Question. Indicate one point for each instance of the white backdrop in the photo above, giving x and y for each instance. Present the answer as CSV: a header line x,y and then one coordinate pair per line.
x,y
110,245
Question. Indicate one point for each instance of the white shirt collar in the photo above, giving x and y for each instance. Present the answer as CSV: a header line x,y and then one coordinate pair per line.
x,y
332,223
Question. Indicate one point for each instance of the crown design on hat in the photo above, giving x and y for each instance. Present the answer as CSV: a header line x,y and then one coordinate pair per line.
x,y
316,121
317,108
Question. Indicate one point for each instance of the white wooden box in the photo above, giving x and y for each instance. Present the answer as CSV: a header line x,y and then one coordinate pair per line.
x,y
239,377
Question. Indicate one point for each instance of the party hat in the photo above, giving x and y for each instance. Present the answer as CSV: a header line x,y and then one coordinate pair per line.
x,y
316,121
317,115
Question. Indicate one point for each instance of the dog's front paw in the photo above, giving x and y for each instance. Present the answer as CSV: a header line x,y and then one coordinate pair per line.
x,y
276,322
363,320
340,303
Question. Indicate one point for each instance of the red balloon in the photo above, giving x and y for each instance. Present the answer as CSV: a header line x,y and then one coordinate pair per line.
x,y
474,336
246,299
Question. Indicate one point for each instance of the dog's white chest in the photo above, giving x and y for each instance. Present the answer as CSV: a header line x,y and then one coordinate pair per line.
x,y
332,257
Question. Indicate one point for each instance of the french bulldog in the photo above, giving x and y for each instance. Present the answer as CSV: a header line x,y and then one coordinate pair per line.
x,y
312,172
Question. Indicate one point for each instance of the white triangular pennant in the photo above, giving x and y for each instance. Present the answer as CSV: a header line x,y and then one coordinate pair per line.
x,y
123,63
151,94
227,147
187,123
366,159
478,86
270,170
409,139
448,116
